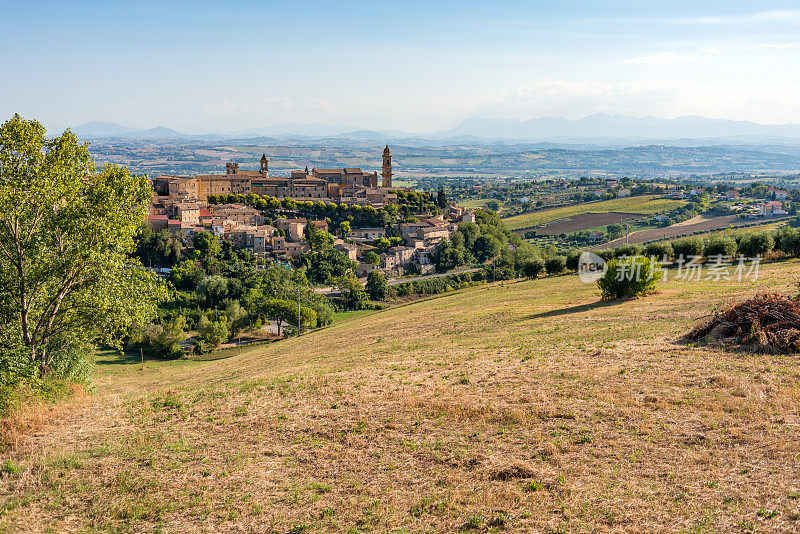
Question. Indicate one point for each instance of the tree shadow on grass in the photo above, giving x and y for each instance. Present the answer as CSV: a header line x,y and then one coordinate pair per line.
x,y
576,309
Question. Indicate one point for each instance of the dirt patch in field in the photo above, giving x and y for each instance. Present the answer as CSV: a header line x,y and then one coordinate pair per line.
x,y
583,221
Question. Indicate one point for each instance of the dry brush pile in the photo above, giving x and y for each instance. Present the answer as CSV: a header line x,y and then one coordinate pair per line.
x,y
769,322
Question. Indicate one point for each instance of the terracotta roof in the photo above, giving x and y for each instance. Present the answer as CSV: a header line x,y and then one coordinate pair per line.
x,y
353,170
330,171
158,217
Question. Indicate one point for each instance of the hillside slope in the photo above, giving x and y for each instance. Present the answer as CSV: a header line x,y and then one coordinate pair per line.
x,y
523,407
644,205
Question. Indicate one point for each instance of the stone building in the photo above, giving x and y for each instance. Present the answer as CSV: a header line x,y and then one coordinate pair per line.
x,y
349,184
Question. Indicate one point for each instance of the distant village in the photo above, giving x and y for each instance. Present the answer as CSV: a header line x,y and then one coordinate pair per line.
x,y
181,204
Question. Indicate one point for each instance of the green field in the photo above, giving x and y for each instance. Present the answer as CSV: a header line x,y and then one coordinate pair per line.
x,y
524,407
645,205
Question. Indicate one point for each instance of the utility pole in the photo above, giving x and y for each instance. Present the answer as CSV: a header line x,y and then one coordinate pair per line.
x,y
299,320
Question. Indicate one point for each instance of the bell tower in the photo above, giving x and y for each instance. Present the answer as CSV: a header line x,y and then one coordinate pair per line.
x,y
264,164
386,171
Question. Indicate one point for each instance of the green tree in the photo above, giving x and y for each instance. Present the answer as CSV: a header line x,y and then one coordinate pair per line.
x,y
372,258
630,277
555,264
532,267
353,293
165,338
279,310
213,332
236,316
66,232
441,198
377,287
344,228
487,247
186,275
207,246
319,240
213,290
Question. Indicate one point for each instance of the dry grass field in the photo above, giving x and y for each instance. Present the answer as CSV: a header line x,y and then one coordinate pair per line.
x,y
527,407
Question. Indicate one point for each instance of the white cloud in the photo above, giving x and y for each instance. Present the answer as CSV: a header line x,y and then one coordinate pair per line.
x,y
668,58
664,98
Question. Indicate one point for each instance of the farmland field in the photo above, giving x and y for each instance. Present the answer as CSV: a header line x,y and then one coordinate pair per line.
x,y
584,221
527,407
682,229
643,205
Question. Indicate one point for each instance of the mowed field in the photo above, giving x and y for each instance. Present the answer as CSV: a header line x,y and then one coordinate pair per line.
x,y
584,221
702,224
526,407
642,205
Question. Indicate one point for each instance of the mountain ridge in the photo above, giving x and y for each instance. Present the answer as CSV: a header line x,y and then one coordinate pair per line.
x,y
601,127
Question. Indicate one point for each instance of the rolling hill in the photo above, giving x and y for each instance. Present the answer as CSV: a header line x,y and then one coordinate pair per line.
x,y
523,407
644,205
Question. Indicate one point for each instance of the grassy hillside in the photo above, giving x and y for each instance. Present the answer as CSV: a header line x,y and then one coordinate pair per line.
x,y
523,407
644,205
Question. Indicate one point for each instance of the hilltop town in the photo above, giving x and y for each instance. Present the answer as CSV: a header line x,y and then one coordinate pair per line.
x,y
232,207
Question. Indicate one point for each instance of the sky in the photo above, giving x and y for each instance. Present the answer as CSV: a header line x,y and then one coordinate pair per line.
x,y
418,66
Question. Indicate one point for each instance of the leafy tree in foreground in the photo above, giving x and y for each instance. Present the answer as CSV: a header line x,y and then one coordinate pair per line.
x,y
65,234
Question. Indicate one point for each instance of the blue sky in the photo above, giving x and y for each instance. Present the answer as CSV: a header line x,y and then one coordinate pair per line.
x,y
413,65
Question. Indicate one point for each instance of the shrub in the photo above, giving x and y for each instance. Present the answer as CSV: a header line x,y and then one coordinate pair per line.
x,y
789,241
687,247
213,332
573,258
533,267
607,254
630,277
555,264
659,250
752,245
720,246
628,250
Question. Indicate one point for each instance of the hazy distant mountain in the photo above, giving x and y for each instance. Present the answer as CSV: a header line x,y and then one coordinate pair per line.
x,y
314,129
159,132
617,126
599,129
101,129
112,129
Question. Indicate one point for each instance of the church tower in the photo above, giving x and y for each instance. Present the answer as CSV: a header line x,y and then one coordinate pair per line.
x,y
386,172
264,164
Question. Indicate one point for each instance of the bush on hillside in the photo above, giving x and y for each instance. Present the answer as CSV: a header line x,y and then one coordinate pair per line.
x,y
788,240
533,267
720,246
607,254
573,258
628,250
659,250
687,247
555,264
752,245
629,277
